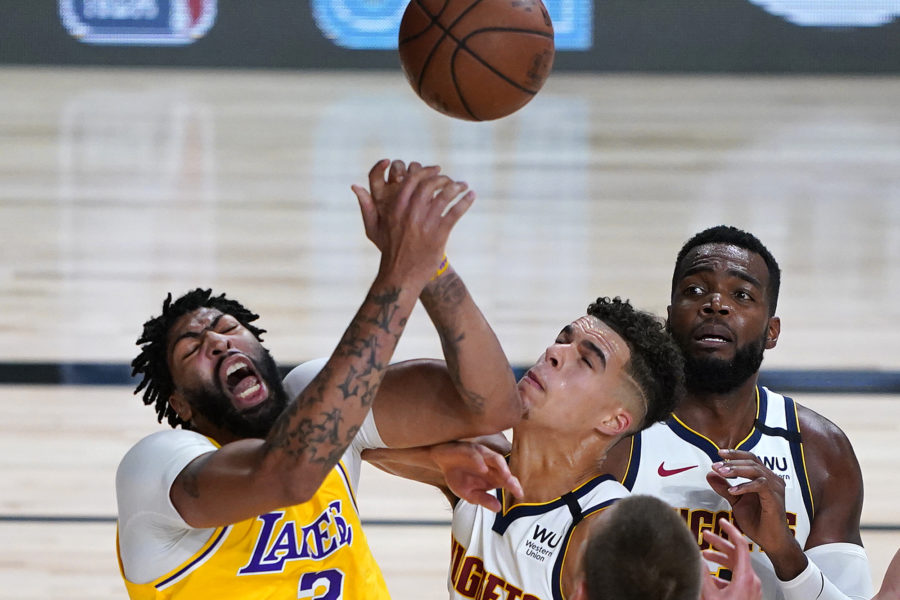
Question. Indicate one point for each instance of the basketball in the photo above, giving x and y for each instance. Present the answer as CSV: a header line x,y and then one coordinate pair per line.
x,y
476,60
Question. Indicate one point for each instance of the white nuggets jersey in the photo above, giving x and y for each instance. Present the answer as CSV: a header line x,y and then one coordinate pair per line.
x,y
670,461
518,553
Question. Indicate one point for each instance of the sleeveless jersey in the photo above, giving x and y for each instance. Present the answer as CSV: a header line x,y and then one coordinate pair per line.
x,y
669,460
518,553
313,550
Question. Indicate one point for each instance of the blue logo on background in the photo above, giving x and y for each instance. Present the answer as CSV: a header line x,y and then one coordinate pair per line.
x,y
374,24
137,22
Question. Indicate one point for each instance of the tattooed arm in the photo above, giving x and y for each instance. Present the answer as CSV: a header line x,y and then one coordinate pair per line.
x,y
249,477
473,391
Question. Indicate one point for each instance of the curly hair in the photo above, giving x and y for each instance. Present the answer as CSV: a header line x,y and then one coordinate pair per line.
x,y
152,361
656,363
732,236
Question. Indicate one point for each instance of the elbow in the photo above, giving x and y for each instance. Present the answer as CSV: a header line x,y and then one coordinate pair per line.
x,y
505,415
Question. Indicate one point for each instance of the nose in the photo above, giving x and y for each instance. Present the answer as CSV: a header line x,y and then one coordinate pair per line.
x,y
556,354
715,304
216,343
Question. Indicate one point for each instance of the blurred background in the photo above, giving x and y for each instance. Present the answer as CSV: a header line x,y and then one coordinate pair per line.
x,y
149,146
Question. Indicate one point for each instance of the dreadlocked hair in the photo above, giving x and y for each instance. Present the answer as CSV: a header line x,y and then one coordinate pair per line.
x,y
656,363
152,361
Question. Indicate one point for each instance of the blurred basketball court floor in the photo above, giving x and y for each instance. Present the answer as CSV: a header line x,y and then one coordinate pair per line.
x,y
118,186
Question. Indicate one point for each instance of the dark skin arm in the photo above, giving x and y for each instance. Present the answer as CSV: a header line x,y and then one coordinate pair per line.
x,y
758,505
473,391
249,477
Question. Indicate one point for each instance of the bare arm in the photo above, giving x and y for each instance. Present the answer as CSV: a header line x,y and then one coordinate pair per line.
x,y
758,505
467,470
250,477
474,391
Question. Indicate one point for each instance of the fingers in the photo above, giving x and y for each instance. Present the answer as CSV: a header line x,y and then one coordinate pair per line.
x,y
500,474
397,171
484,499
367,208
376,176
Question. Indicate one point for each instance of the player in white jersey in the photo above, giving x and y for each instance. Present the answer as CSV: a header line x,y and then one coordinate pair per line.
x,y
784,474
608,374
249,497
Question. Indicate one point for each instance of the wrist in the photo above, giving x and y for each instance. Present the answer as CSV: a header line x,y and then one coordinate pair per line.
x,y
442,268
788,562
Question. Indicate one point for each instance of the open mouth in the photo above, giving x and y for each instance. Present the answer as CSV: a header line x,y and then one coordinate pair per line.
x,y
713,336
242,382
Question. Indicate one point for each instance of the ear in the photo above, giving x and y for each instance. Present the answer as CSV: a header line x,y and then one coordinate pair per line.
x,y
616,423
181,406
773,330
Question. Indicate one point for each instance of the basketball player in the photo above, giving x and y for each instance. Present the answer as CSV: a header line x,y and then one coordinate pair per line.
x,y
784,474
254,495
640,549
608,374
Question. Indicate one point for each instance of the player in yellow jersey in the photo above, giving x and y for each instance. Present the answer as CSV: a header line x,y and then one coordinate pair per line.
x,y
251,494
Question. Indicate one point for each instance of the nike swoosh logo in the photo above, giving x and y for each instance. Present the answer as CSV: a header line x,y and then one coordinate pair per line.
x,y
664,472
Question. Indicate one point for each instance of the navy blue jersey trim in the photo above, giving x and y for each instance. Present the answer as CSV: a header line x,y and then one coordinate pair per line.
x,y
634,461
693,439
796,444
503,521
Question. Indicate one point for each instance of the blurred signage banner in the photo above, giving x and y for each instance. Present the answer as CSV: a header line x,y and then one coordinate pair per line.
x,y
137,22
373,24
828,13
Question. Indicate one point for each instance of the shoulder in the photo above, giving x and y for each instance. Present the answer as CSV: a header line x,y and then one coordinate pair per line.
x,y
823,439
834,475
160,455
302,375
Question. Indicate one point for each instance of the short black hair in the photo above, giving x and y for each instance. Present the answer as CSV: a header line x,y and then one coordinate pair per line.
x,y
732,236
644,551
152,361
656,363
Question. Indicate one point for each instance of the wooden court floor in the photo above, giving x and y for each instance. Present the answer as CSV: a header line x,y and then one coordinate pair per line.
x,y
117,186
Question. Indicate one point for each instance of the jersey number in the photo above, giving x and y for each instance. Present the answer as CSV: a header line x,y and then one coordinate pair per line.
x,y
321,585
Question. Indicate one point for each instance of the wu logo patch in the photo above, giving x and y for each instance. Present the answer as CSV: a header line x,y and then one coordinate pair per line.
x,y
542,543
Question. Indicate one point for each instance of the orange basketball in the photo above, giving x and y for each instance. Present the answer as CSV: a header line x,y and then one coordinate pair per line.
x,y
476,59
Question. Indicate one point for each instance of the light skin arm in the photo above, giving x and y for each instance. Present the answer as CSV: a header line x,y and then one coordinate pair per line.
x,y
890,586
473,391
249,477
758,505
467,470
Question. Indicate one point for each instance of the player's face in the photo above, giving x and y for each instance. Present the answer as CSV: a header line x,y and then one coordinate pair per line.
x,y
224,373
719,316
577,379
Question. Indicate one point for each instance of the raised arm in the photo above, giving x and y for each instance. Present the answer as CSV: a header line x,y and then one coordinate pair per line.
x,y
473,391
249,477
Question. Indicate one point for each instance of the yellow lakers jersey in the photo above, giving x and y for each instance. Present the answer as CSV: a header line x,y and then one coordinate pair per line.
x,y
312,551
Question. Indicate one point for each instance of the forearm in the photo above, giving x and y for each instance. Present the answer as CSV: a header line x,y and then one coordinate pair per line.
x,y
415,464
838,571
316,428
475,359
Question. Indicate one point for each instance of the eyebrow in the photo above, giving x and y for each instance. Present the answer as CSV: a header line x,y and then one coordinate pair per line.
x,y
732,272
586,344
196,334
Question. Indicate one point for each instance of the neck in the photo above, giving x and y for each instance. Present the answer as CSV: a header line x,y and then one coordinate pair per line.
x,y
725,418
549,466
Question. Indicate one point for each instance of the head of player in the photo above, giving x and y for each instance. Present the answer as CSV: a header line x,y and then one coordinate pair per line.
x,y
641,550
204,368
610,373
722,313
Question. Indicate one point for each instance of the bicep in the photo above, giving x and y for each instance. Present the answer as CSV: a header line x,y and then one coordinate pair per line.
x,y
227,486
837,488
418,405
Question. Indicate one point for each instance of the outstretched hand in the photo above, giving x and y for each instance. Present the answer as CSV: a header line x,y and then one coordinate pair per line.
x,y
733,554
471,471
408,212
